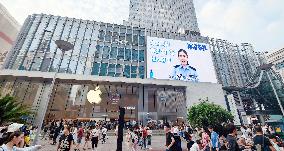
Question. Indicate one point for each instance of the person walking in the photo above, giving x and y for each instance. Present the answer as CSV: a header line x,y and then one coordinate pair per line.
x,y
231,138
197,146
56,134
189,141
149,137
87,139
66,140
214,139
144,138
80,134
104,134
260,142
170,140
205,140
95,137
128,140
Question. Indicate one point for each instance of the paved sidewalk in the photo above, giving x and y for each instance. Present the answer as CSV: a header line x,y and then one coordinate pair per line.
x,y
158,143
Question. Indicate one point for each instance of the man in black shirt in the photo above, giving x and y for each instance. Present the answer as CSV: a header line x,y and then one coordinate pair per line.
x,y
66,140
260,142
170,140
231,138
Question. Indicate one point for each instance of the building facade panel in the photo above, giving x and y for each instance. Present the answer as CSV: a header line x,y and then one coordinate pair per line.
x,y
235,64
99,48
277,59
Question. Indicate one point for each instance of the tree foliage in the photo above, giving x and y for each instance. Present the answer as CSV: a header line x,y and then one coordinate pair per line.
x,y
205,114
13,111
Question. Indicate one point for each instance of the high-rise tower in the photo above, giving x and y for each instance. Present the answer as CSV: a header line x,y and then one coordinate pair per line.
x,y
165,15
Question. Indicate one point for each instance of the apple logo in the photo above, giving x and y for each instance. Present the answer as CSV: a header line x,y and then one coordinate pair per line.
x,y
94,96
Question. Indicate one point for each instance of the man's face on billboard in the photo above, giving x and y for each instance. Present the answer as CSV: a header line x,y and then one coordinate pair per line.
x,y
182,58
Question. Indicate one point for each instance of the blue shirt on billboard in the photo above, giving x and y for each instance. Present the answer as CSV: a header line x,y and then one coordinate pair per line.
x,y
186,73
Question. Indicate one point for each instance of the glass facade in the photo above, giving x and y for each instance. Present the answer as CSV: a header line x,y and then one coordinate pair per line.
x,y
99,48
69,100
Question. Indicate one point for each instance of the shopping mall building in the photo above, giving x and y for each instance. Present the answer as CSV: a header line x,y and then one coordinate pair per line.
x,y
128,65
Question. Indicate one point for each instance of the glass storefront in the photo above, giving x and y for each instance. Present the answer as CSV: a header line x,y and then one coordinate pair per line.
x,y
69,100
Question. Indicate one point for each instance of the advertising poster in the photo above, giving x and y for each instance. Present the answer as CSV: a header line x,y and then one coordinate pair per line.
x,y
179,60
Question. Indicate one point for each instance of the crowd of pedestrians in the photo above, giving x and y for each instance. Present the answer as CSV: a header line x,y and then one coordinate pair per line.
x,y
226,138
76,135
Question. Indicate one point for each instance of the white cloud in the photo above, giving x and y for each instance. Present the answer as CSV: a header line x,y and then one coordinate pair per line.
x,y
112,11
259,22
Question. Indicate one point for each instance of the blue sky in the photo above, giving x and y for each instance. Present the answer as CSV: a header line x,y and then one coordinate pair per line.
x,y
259,22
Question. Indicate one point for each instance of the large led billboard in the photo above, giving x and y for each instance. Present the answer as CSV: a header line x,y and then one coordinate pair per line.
x,y
179,60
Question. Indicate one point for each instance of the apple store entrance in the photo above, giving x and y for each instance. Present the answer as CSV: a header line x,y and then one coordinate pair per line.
x,y
141,103
89,98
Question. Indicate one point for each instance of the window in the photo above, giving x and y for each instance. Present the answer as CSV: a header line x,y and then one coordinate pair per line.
x,y
113,53
141,55
122,37
134,55
135,40
118,70
111,70
141,72
108,36
127,54
95,70
106,52
103,69
98,51
141,40
101,35
279,65
126,72
133,71
129,39
120,54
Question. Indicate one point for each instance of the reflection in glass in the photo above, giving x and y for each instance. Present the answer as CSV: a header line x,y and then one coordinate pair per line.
x,y
96,69
126,72
103,69
134,55
120,54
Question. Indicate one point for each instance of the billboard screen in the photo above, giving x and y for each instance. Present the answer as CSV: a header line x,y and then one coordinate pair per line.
x,y
179,60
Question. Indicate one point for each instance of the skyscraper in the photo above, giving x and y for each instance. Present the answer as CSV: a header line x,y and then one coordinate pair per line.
x,y
165,15
235,64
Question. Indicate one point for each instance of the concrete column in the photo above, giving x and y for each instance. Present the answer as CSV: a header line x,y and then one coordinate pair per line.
x,y
143,104
45,98
37,102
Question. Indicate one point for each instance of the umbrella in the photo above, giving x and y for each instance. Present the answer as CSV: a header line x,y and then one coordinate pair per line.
x,y
14,127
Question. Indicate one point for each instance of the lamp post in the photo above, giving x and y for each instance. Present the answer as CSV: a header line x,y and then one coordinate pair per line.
x,y
63,46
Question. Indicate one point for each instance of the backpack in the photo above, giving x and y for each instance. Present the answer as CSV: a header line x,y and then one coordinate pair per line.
x,y
261,147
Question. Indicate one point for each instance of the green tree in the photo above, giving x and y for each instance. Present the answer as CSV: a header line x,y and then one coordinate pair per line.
x,y
206,113
13,111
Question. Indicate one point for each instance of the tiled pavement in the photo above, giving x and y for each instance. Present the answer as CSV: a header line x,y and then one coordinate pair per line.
x,y
158,143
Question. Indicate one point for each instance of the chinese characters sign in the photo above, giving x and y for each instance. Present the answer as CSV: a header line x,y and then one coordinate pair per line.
x,y
179,60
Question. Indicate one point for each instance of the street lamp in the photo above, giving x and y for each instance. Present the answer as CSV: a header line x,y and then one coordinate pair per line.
x,y
63,46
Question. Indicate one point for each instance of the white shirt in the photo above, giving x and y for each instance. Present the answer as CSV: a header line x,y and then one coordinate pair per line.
x,y
32,148
95,132
195,147
104,130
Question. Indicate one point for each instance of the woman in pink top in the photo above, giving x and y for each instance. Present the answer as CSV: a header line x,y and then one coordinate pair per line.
x,y
205,140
